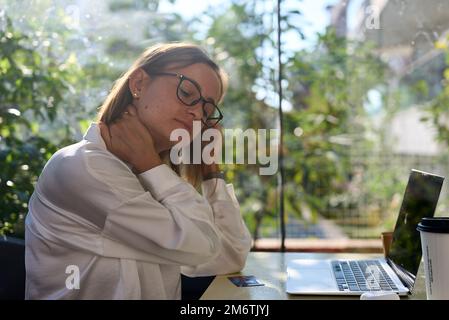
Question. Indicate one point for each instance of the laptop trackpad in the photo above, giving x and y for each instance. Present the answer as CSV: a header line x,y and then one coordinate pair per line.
x,y
310,276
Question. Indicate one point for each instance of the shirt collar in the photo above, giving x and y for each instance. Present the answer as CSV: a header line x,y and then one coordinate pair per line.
x,y
93,135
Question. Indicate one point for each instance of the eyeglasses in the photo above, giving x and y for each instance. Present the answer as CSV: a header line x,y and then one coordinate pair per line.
x,y
189,93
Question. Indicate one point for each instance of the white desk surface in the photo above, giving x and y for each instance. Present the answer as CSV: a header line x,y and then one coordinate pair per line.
x,y
271,269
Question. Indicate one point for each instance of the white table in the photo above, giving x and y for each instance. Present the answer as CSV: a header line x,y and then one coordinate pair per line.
x,y
271,269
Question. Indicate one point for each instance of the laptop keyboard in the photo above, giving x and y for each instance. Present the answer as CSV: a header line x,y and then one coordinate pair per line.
x,y
362,275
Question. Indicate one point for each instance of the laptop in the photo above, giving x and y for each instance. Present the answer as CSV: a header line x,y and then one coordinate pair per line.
x,y
395,273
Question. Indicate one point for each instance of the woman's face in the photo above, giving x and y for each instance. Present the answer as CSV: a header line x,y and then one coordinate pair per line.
x,y
159,108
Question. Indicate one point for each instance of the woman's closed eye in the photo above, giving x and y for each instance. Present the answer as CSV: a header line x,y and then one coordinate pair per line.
x,y
185,93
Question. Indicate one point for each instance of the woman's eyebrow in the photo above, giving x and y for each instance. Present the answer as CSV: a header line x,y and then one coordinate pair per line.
x,y
207,98
201,89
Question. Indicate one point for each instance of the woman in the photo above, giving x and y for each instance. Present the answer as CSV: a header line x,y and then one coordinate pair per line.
x,y
111,217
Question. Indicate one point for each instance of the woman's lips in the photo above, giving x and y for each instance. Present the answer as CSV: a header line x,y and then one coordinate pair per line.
x,y
186,125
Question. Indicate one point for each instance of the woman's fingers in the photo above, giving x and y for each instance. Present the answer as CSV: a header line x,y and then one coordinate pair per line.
x,y
132,112
130,140
123,143
136,125
131,109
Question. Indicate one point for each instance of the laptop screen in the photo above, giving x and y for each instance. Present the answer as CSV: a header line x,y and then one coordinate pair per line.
x,y
420,200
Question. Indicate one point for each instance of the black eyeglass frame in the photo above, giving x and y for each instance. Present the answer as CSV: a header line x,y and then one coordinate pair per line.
x,y
194,102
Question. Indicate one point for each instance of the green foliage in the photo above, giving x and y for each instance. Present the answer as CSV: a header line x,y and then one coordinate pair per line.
x,y
32,87
329,85
120,5
438,107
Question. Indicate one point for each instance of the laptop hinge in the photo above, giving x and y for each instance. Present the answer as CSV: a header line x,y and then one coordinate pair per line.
x,y
407,278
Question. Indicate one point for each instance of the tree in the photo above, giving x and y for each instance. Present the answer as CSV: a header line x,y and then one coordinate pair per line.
x,y
32,88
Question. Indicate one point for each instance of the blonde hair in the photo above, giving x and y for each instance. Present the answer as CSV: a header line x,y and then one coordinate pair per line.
x,y
153,60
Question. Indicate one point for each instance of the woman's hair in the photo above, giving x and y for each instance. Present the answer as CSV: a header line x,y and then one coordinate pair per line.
x,y
156,59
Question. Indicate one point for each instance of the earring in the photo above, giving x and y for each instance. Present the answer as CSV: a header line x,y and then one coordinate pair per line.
x,y
135,95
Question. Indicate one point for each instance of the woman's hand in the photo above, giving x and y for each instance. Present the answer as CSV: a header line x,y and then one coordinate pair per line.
x,y
129,140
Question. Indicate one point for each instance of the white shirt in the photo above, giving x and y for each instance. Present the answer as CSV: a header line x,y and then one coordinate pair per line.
x,y
129,236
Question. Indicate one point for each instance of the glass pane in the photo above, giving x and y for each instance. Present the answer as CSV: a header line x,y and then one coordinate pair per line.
x,y
211,111
188,92
366,95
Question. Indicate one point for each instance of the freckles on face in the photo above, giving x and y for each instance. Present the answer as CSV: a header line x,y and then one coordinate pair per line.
x,y
156,103
152,111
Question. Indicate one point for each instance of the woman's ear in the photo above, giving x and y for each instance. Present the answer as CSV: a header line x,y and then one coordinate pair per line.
x,y
137,80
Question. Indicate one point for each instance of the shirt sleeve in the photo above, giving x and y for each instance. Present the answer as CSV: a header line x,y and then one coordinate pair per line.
x,y
234,235
155,212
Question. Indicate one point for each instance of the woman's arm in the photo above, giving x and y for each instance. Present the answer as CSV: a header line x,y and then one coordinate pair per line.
x,y
233,233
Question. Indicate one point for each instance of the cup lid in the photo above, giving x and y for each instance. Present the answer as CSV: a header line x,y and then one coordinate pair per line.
x,y
437,225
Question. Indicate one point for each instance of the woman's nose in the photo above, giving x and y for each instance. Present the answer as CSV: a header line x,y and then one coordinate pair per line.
x,y
196,111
